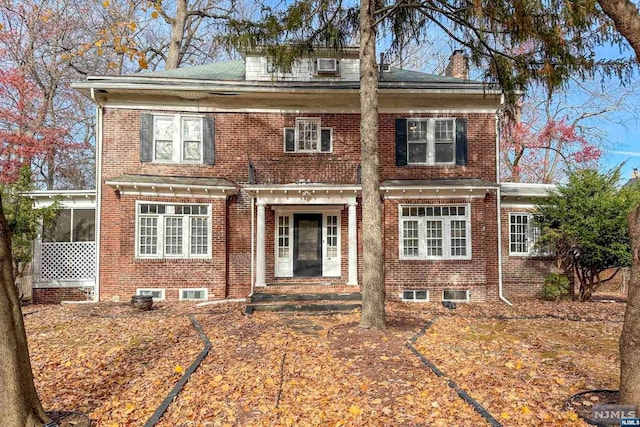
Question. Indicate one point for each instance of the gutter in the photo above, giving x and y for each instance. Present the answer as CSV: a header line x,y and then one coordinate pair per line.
x,y
99,113
253,215
499,213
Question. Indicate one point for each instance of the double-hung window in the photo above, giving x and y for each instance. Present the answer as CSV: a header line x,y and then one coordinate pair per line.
x,y
308,136
435,232
173,231
430,141
177,139
523,235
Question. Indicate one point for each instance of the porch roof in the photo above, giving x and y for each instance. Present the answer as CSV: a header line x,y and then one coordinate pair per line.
x,y
173,186
436,188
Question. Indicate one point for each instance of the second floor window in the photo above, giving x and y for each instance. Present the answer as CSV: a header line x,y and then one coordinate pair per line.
x,y
308,137
430,141
176,138
422,141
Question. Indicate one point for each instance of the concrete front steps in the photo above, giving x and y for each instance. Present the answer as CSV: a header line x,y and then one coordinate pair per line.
x,y
304,302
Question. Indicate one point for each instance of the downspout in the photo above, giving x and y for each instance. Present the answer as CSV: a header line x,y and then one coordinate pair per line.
x,y
99,112
499,211
253,214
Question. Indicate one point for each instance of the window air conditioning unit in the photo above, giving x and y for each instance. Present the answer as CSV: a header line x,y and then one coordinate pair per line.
x,y
326,65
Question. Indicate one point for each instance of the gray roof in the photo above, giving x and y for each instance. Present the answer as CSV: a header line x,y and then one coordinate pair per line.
x,y
515,189
439,183
235,71
225,71
171,180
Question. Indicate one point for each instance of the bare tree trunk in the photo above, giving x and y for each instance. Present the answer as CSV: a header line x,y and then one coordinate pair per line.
x,y
19,402
177,35
373,315
630,339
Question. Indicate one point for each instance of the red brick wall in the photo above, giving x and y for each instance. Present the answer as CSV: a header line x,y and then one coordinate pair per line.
x,y
121,273
522,276
478,274
244,137
57,295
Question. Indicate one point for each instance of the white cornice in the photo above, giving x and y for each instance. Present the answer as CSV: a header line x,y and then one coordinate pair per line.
x,y
173,190
434,192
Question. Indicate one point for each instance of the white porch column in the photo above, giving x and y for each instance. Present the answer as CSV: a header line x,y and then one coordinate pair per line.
x,y
353,245
260,253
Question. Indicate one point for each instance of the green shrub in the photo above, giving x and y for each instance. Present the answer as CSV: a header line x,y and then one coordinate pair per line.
x,y
555,286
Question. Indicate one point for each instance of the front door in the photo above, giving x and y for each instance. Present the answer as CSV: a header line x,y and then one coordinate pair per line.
x,y
307,245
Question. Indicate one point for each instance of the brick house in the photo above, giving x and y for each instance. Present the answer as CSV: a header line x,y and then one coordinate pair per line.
x,y
221,180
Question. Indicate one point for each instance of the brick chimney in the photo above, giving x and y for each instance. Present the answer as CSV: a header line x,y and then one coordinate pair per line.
x,y
458,65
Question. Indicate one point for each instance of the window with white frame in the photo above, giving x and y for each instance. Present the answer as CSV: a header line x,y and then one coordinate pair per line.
x,y
308,137
156,294
177,138
415,295
435,232
523,235
430,141
193,294
173,231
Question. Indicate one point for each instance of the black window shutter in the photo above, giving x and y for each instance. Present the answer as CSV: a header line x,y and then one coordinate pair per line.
x,y
146,137
289,140
325,135
208,141
461,142
401,142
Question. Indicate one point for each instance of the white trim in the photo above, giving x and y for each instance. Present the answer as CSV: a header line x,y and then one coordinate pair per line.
x,y
337,261
467,299
177,138
65,198
430,141
204,290
530,234
446,232
331,209
516,205
186,243
62,283
283,266
414,299
172,190
311,120
201,108
161,290
99,130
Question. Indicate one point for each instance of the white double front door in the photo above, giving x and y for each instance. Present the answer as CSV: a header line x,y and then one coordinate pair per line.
x,y
307,244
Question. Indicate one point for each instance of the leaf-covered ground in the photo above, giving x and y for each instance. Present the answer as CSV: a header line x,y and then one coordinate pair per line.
x,y
520,363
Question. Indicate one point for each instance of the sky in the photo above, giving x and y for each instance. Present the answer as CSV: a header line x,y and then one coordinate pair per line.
x,y
624,137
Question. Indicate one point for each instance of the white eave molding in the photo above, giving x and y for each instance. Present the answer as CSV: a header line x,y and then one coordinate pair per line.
x,y
434,192
173,190
304,193
66,198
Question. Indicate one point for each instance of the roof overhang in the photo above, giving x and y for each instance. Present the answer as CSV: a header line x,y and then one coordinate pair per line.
x,y
81,199
161,186
304,193
437,188
97,87
524,194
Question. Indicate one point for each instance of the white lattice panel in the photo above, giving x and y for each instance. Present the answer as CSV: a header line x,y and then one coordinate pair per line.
x,y
68,261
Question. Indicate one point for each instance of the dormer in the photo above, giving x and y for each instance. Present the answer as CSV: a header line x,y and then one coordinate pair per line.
x,y
319,65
